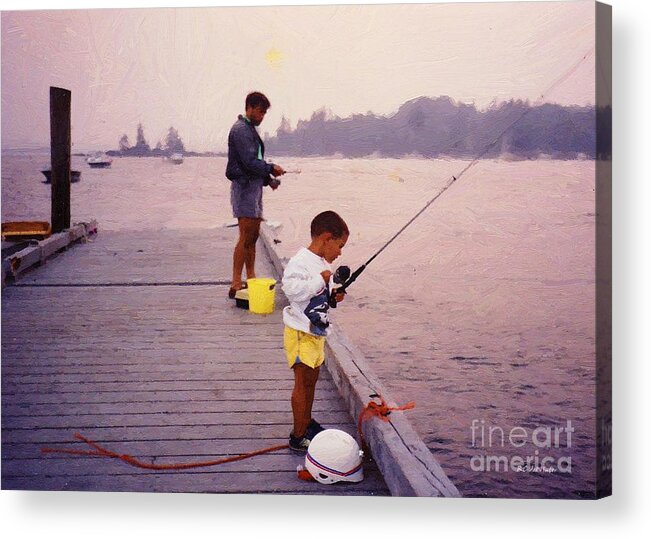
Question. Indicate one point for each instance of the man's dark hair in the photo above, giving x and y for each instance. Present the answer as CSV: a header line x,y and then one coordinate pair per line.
x,y
328,221
257,99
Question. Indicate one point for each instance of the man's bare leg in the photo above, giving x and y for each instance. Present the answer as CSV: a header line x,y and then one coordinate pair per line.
x,y
244,253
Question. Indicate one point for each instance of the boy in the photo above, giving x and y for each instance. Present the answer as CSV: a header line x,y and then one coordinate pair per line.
x,y
307,284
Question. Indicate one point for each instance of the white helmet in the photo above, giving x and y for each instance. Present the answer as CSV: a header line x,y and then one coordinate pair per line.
x,y
333,455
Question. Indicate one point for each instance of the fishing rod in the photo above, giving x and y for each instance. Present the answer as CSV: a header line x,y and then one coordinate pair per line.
x,y
274,182
343,275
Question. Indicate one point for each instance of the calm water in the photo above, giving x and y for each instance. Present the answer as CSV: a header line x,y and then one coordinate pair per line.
x,y
482,311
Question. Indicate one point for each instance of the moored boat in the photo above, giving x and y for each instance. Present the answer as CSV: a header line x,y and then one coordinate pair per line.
x,y
75,176
99,160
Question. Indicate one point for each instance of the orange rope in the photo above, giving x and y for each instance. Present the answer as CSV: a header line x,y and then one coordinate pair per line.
x,y
304,475
100,451
381,411
372,409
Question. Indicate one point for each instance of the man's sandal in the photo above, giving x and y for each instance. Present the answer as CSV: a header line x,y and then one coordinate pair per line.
x,y
233,291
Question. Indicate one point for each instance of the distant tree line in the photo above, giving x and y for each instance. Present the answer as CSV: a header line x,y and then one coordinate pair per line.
x,y
171,145
439,127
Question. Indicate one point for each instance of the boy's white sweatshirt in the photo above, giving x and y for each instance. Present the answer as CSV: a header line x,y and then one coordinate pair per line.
x,y
303,283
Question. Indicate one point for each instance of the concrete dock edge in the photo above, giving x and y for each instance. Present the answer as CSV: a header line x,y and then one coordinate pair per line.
x,y
404,460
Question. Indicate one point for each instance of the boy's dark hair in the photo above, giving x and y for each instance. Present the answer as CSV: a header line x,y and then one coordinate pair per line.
x,y
257,99
328,221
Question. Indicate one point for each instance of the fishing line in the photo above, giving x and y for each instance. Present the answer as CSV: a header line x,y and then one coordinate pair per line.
x,y
351,279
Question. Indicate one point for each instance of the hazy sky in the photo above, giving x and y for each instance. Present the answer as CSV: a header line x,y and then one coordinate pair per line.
x,y
192,67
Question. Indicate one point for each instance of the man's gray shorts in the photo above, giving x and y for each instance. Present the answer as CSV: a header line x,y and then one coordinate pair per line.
x,y
246,199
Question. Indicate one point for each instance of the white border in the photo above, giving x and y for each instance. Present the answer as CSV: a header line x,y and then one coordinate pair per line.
x,y
114,515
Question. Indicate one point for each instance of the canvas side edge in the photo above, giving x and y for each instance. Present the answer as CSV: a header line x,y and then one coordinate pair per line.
x,y
603,249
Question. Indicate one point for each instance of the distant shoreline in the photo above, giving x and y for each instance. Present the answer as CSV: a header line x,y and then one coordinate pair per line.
x,y
112,153
502,157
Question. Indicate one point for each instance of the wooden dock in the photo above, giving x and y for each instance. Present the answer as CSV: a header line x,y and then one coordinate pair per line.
x,y
130,340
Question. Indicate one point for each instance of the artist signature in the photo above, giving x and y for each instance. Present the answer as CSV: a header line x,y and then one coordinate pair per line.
x,y
536,469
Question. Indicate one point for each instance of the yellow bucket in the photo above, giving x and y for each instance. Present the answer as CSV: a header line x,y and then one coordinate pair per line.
x,y
262,295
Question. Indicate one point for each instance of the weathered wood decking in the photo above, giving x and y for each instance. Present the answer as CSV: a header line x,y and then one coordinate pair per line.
x,y
130,340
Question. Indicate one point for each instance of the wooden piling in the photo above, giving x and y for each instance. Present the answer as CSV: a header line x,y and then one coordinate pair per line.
x,y
60,146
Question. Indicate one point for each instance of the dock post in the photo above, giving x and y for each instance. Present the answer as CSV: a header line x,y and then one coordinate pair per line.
x,y
60,145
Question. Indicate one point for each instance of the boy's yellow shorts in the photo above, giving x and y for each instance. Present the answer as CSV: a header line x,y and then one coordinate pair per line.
x,y
301,347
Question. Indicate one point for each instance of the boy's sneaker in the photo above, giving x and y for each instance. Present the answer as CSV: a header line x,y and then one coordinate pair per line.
x,y
299,445
313,429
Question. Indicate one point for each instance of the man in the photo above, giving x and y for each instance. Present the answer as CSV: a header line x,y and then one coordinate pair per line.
x,y
249,173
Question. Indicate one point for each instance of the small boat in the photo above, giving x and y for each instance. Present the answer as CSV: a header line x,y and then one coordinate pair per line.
x,y
99,160
24,230
176,158
75,176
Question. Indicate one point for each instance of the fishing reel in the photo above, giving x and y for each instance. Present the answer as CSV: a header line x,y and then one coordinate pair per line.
x,y
341,275
273,182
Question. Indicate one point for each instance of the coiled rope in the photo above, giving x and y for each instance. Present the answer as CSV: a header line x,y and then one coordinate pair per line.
x,y
381,411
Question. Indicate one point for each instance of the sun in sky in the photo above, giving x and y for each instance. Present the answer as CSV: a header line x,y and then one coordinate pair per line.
x,y
274,57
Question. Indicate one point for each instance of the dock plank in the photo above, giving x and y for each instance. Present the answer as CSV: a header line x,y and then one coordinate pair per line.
x,y
332,404
257,482
258,436
112,397
167,418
